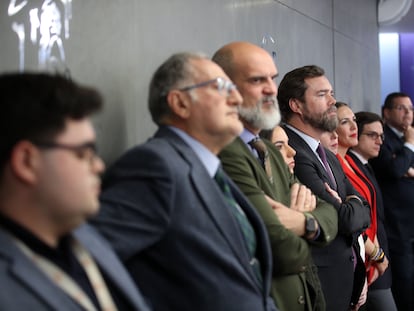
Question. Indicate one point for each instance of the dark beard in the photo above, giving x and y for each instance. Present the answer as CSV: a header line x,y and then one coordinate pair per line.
x,y
321,122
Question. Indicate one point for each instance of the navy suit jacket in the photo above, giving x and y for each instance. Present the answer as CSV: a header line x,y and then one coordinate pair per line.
x,y
25,287
335,260
390,167
170,223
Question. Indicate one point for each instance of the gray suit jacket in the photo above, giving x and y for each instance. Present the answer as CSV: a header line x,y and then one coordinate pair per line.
x,y
25,287
169,222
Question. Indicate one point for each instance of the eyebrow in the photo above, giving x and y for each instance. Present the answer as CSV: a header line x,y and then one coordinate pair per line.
x,y
279,142
347,118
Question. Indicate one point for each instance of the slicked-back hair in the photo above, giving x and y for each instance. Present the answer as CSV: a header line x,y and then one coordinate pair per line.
x,y
173,73
389,100
293,86
36,106
366,117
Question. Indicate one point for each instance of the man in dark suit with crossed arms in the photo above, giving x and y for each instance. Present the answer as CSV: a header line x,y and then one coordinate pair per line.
x,y
394,171
307,105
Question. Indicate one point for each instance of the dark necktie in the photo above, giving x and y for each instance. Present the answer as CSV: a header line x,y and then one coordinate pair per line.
x,y
263,154
369,169
321,152
244,224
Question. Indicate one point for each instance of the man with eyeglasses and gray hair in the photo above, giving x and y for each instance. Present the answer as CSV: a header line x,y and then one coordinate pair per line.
x,y
49,258
187,235
394,171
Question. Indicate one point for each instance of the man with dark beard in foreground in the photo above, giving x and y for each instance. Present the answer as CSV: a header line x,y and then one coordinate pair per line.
x,y
307,105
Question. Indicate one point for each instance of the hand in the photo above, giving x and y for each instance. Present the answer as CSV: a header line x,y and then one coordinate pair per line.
x,y
362,298
374,276
382,266
409,135
333,193
301,198
289,218
410,172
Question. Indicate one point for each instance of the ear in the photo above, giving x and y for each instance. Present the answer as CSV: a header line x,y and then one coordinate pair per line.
x,y
23,161
295,105
179,103
386,113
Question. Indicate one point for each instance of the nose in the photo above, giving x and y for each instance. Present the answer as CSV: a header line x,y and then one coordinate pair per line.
x,y
331,99
234,98
353,124
98,165
290,151
270,87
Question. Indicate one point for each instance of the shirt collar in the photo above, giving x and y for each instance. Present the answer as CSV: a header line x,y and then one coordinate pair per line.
x,y
209,159
312,142
246,136
397,132
359,156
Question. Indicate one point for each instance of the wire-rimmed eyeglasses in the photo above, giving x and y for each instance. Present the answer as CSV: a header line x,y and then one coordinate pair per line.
x,y
86,151
224,87
374,135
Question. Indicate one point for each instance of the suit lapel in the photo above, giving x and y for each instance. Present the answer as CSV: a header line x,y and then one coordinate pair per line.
x,y
109,264
211,197
303,148
27,273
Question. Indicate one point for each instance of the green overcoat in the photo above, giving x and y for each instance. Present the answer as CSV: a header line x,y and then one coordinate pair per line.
x,y
295,283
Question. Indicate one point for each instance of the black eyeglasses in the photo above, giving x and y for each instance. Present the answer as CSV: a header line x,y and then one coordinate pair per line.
x,y
86,151
220,84
374,135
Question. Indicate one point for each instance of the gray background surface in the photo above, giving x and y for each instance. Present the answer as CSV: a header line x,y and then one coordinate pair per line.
x,y
115,46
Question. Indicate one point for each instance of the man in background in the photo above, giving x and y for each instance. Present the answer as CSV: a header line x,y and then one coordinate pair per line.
x,y
49,185
394,171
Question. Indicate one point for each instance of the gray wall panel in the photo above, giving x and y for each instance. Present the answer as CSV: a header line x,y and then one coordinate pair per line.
x,y
115,45
356,75
319,10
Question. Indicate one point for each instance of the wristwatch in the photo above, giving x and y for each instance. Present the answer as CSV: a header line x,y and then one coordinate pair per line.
x,y
310,225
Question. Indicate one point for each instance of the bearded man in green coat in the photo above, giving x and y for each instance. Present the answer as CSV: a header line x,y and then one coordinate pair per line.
x,y
295,219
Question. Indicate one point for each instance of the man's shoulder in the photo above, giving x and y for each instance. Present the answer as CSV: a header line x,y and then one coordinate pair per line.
x,y
236,148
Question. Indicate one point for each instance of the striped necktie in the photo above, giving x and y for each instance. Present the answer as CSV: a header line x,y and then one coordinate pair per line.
x,y
244,224
261,149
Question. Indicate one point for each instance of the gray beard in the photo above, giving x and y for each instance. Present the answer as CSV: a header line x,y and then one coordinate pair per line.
x,y
260,119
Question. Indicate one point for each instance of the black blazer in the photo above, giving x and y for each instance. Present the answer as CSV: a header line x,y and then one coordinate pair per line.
x,y
383,281
170,224
390,167
334,262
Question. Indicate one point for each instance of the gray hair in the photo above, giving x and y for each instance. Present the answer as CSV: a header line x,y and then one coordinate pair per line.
x,y
173,73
